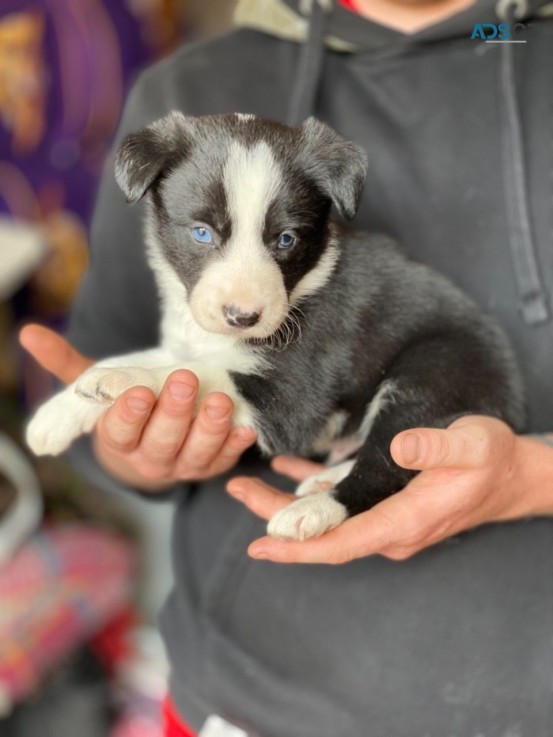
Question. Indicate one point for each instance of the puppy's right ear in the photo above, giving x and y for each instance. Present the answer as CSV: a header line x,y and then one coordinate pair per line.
x,y
144,155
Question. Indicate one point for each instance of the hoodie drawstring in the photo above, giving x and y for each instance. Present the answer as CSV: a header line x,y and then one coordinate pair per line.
x,y
533,298
304,93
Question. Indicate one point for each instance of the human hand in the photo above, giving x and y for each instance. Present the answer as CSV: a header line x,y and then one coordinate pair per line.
x,y
475,471
147,442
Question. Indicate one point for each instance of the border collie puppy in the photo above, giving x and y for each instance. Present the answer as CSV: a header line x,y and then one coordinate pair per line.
x,y
328,342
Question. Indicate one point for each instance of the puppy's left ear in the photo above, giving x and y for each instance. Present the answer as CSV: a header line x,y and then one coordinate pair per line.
x,y
339,166
144,155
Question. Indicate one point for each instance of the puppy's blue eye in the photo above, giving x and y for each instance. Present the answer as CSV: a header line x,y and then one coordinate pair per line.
x,y
286,240
201,235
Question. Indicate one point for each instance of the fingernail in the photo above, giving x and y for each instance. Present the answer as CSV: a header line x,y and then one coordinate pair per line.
x,y
215,412
137,404
234,487
180,391
258,553
237,494
410,447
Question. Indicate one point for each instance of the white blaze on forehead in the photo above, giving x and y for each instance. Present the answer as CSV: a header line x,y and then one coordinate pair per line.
x,y
246,276
252,179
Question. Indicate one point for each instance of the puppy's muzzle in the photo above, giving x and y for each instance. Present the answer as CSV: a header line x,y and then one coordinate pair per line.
x,y
238,319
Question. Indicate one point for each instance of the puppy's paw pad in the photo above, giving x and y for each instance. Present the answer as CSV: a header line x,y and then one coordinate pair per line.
x,y
308,517
326,480
313,485
107,384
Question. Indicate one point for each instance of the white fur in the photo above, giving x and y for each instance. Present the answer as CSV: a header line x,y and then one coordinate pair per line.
x,y
317,277
184,338
383,396
62,419
310,516
194,334
245,276
340,449
76,409
325,480
334,425
184,344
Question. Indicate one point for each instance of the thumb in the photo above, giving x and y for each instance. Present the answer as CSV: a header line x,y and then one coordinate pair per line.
x,y
53,352
427,448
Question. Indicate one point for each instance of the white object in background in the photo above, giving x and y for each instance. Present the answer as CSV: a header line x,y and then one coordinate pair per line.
x,y
25,512
215,726
146,670
22,248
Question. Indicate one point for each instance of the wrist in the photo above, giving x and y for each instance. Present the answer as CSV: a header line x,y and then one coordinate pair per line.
x,y
532,479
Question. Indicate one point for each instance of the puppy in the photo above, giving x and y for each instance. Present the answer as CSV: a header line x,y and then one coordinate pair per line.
x,y
328,342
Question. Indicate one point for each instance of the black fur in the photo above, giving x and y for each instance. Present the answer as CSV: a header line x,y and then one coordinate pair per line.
x,y
379,318
383,318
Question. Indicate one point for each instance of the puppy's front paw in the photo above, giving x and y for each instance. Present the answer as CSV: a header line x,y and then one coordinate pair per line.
x,y
325,480
308,517
105,385
58,422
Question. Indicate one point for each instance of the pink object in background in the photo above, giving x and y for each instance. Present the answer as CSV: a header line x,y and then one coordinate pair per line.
x,y
57,592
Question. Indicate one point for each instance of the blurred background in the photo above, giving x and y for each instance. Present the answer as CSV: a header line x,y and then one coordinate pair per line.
x,y
83,572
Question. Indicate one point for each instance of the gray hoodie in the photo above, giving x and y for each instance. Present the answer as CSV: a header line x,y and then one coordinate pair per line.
x,y
456,642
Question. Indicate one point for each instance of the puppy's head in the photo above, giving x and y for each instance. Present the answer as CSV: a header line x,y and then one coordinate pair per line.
x,y
240,210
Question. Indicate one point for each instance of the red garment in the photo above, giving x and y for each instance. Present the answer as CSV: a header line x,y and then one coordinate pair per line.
x,y
350,5
173,726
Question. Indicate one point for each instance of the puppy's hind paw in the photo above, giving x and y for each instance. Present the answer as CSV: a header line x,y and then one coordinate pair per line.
x,y
308,517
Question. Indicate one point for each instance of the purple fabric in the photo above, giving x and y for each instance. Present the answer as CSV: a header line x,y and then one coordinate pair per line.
x,y
86,54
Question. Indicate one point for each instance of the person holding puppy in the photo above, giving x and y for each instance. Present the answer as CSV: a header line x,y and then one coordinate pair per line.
x,y
456,639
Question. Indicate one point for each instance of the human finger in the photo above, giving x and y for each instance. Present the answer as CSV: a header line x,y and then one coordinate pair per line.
x,y
461,446
295,468
53,352
120,427
237,441
398,520
207,436
170,421
260,498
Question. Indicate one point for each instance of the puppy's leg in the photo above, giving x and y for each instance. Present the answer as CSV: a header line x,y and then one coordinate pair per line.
x,y
317,511
429,385
325,480
108,379
75,410
59,421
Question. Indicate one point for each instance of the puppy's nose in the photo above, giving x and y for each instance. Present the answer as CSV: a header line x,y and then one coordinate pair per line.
x,y
238,319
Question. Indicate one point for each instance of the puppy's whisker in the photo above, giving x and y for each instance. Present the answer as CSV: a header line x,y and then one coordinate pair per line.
x,y
288,332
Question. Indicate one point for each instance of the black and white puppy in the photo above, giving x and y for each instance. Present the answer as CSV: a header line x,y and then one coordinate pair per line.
x,y
328,342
